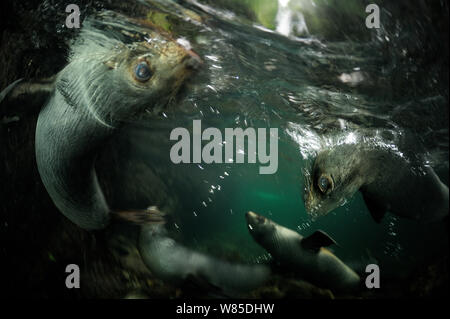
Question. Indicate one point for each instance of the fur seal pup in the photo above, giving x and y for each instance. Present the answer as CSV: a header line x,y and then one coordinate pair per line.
x,y
305,255
105,84
387,179
177,264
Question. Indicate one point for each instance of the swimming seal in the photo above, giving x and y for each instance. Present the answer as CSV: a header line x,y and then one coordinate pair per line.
x,y
176,263
105,84
387,178
305,255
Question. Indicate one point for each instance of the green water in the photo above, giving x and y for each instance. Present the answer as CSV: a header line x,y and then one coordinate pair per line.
x,y
257,78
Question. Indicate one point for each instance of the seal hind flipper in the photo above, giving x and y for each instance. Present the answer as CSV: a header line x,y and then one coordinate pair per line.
x,y
376,210
317,240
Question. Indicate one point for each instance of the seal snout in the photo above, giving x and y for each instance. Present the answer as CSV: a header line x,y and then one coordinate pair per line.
x,y
250,217
192,61
254,220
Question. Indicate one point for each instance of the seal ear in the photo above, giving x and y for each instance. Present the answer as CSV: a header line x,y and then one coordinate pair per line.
x,y
316,240
111,64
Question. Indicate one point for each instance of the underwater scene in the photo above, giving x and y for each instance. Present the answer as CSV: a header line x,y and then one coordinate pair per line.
x,y
254,149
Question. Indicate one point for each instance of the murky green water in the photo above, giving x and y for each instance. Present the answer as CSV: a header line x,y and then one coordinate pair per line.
x,y
309,68
255,77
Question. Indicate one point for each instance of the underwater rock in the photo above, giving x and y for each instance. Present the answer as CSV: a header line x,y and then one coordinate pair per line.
x,y
430,281
261,11
287,288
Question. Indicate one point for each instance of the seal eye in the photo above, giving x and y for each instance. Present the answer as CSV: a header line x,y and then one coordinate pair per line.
x,y
261,219
142,73
325,183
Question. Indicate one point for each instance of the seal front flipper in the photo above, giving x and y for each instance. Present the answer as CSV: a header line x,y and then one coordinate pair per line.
x,y
317,240
376,210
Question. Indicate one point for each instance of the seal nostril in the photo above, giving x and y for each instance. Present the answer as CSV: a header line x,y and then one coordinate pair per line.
x,y
191,60
193,63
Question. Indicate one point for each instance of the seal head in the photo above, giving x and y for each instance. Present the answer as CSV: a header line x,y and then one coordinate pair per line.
x,y
387,178
334,178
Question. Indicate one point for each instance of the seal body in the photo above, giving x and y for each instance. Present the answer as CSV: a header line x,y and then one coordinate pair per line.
x,y
66,163
388,179
303,255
